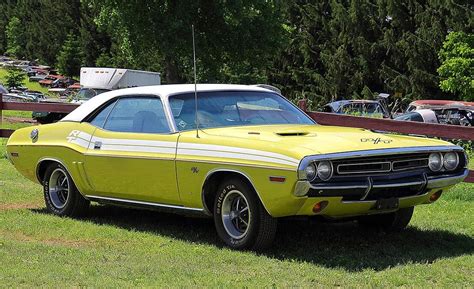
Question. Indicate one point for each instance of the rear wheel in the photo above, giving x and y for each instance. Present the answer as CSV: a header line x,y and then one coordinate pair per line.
x,y
241,220
391,222
60,193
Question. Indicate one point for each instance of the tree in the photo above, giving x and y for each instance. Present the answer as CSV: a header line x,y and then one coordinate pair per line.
x,y
15,77
457,65
70,57
7,8
95,42
46,24
15,37
337,48
235,39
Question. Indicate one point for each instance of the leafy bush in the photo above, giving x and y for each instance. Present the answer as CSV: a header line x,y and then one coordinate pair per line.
x,y
457,68
15,77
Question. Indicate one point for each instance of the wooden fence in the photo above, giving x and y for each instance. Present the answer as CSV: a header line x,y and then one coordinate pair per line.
x,y
413,128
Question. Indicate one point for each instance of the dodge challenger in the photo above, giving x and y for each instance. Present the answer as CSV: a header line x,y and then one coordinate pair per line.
x,y
243,155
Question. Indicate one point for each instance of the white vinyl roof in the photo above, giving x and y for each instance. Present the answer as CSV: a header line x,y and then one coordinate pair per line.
x,y
162,90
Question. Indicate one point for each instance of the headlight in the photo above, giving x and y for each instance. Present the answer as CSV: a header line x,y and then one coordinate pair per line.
x,y
324,170
435,161
310,172
451,161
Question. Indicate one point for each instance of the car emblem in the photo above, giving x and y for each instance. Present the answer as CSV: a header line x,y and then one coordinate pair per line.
x,y
34,135
376,140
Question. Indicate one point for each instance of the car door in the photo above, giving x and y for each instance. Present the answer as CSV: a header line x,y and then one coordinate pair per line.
x,y
132,152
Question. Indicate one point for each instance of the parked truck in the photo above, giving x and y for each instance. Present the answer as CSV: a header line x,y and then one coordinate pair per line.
x,y
97,80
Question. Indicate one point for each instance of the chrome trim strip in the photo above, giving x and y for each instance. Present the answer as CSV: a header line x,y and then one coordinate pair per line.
x,y
369,188
399,185
144,203
373,201
364,172
375,152
434,183
338,187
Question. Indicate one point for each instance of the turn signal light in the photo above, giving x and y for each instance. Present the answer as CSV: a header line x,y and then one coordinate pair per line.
x,y
277,179
318,207
435,196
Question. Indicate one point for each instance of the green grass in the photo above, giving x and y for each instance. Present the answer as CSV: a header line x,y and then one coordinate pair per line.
x,y
30,85
114,247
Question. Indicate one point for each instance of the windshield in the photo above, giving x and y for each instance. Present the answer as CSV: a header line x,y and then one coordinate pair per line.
x,y
88,93
234,108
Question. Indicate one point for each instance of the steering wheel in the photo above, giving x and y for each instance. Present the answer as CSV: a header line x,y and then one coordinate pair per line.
x,y
257,119
206,119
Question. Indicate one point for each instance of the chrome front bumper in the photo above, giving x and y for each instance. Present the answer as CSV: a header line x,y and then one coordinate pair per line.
x,y
302,188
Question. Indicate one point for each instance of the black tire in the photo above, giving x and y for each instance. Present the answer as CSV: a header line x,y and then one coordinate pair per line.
x,y
261,228
391,222
74,205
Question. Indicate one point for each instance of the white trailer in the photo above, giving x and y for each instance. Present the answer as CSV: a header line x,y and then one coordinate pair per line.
x,y
97,80
116,78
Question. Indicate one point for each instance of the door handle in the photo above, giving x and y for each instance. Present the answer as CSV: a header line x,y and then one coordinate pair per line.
x,y
97,145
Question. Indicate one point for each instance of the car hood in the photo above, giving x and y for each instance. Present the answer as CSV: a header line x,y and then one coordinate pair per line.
x,y
303,140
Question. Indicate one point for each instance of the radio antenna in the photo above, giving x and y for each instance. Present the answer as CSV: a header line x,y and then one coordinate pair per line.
x,y
195,86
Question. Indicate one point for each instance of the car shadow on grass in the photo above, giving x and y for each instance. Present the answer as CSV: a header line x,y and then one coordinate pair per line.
x,y
333,245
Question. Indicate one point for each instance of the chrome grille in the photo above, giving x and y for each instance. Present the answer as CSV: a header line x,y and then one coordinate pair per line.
x,y
409,164
362,168
374,165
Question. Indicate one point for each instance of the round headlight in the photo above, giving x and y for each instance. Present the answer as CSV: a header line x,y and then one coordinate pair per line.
x,y
310,172
435,162
324,170
451,161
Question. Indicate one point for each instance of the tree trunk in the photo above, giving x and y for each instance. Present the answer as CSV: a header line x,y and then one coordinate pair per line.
x,y
171,71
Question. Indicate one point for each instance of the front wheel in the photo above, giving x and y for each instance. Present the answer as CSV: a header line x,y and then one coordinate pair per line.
x,y
241,220
391,222
60,193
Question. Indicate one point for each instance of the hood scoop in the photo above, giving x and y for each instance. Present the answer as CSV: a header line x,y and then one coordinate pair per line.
x,y
293,133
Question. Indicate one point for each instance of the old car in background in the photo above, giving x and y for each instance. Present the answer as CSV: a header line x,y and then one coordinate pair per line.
x,y
438,104
243,155
422,115
447,111
49,80
369,108
23,95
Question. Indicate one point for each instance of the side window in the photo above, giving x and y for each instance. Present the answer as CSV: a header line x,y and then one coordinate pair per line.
x,y
416,117
138,114
99,119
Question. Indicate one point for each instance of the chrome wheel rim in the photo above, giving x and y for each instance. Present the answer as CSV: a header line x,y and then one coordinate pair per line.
x,y
236,214
58,188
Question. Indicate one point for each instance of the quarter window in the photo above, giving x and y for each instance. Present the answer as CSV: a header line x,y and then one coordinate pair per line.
x,y
100,118
137,114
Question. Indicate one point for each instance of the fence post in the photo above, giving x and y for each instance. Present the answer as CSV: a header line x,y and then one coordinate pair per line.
x,y
303,104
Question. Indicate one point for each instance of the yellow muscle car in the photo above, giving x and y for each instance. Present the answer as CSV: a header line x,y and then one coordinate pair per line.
x,y
246,158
